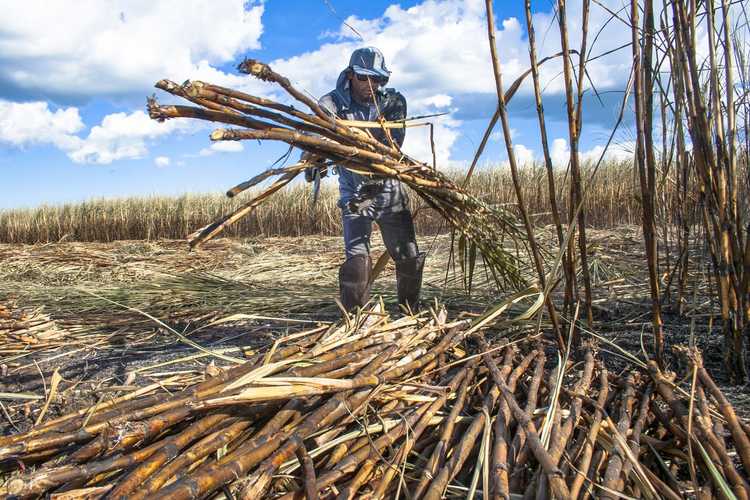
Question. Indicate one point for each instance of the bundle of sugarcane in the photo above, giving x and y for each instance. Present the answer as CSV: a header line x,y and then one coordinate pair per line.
x,y
347,144
376,408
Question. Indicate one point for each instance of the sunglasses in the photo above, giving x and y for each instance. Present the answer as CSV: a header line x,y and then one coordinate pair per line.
x,y
374,79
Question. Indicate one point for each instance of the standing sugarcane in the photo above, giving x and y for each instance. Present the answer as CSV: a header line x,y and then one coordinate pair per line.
x,y
574,130
645,160
534,247
713,157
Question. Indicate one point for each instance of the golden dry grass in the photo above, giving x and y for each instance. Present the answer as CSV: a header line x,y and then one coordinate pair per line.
x,y
613,201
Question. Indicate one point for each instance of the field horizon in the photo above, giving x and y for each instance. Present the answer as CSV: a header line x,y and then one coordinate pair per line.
x,y
613,200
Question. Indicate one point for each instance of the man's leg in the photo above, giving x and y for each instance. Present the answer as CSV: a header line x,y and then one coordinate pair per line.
x,y
354,274
401,241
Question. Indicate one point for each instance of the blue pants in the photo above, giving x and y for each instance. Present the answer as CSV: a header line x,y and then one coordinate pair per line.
x,y
391,212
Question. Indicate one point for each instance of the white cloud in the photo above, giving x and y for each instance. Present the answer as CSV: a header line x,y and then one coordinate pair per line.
x,y
23,124
622,151
123,136
90,47
438,51
222,147
161,161
560,153
445,134
524,155
118,136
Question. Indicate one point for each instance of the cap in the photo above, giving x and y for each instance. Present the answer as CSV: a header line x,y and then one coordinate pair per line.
x,y
369,61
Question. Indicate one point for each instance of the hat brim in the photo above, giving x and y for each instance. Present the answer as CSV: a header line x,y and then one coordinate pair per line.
x,y
370,72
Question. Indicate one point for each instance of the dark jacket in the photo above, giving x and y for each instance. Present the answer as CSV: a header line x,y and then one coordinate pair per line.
x,y
393,107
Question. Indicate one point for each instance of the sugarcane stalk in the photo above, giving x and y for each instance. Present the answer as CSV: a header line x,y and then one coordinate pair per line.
x,y
308,470
237,463
134,433
645,162
574,128
716,426
661,486
310,123
351,462
377,162
466,444
634,439
264,72
739,436
411,437
502,458
172,446
336,406
243,186
139,408
194,454
212,230
614,467
565,431
414,435
45,479
584,463
600,457
330,363
437,458
514,173
739,485
559,488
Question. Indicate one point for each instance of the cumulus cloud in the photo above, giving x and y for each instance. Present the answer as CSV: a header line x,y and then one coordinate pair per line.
x,y
524,155
161,161
120,47
440,60
437,50
119,135
24,124
560,153
123,136
222,147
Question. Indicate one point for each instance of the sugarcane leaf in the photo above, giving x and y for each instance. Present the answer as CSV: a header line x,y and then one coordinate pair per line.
x,y
462,256
472,257
717,476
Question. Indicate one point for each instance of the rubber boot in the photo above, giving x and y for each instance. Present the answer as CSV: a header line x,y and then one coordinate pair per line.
x,y
354,281
409,281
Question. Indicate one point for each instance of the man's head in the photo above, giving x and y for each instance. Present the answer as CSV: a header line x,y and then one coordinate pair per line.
x,y
367,72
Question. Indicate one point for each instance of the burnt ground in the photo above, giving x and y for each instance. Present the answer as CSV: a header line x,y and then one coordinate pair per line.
x,y
79,310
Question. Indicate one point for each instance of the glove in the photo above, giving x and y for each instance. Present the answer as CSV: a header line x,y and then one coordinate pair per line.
x,y
316,166
310,173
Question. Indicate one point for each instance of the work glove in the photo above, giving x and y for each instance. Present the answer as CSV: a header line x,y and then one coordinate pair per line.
x,y
316,166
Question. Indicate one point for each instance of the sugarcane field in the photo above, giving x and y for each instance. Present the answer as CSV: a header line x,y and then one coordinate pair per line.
x,y
415,249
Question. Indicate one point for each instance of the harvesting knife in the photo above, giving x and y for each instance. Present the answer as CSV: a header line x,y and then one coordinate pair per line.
x,y
316,186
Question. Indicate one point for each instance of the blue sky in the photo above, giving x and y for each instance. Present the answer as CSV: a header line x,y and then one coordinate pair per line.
x,y
71,101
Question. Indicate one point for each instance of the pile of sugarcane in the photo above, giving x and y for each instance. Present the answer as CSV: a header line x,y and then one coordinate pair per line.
x,y
342,143
22,330
418,407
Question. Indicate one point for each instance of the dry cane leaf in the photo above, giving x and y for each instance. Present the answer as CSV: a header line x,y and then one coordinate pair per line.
x,y
56,378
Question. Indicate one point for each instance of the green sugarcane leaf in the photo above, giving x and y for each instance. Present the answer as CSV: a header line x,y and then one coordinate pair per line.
x,y
715,474
472,264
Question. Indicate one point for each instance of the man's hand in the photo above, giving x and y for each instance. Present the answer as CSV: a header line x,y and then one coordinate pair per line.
x,y
316,166
309,157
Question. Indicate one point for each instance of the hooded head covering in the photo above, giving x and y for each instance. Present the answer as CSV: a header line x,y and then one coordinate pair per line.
x,y
363,61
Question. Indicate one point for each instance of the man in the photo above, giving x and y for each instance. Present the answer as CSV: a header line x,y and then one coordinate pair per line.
x,y
359,95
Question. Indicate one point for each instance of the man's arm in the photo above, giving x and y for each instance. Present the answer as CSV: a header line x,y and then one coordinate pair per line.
x,y
327,104
394,109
